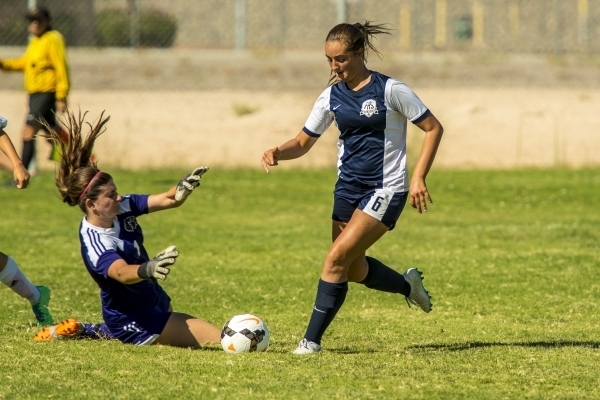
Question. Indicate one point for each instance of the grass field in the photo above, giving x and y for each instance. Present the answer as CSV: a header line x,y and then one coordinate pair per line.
x,y
512,259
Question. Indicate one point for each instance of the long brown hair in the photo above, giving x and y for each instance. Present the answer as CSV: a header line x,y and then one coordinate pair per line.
x,y
355,37
77,176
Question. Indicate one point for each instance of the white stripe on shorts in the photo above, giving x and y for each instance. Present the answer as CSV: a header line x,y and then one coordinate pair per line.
x,y
379,203
149,341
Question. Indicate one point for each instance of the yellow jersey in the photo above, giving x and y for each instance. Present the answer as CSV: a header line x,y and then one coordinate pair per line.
x,y
45,65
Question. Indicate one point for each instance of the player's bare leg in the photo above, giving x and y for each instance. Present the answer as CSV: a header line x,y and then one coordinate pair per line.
x,y
352,241
346,261
358,269
348,250
183,330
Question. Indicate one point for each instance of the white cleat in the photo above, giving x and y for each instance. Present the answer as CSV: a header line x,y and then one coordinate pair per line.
x,y
418,295
307,347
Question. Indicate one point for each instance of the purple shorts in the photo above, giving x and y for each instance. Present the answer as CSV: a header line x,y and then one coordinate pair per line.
x,y
142,330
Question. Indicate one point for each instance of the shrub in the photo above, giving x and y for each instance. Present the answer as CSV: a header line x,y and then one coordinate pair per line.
x,y
112,28
156,28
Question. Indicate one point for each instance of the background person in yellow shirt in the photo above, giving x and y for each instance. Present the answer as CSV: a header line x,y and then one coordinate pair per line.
x,y
46,79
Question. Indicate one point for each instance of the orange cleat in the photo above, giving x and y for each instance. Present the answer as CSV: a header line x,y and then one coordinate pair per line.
x,y
68,329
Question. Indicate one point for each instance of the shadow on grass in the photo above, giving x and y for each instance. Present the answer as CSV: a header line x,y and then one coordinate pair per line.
x,y
474,345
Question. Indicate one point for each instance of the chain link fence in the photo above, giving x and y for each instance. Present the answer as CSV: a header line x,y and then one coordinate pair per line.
x,y
520,26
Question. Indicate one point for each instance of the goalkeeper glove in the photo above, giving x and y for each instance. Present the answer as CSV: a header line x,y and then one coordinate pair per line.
x,y
188,183
158,267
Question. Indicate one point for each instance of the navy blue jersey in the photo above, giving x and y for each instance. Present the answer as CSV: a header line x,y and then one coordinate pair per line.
x,y
372,124
100,247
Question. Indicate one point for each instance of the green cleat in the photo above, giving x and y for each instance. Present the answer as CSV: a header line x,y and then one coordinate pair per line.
x,y
40,309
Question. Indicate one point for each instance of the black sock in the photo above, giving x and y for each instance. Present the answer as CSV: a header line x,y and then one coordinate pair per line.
x,y
28,152
383,278
330,297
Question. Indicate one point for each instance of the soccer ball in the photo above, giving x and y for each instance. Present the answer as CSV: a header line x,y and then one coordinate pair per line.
x,y
245,333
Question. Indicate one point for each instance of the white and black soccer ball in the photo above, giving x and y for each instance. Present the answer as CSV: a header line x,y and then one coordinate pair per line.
x,y
244,333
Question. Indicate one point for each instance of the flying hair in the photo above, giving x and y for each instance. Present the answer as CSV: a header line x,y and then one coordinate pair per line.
x,y
77,176
355,37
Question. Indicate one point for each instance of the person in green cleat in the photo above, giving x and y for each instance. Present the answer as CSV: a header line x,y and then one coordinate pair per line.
x,y
10,273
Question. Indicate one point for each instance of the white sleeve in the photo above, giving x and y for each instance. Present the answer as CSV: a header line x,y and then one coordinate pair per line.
x,y
401,98
321,116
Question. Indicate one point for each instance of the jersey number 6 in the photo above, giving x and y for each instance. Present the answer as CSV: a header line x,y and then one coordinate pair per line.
x,y
377,204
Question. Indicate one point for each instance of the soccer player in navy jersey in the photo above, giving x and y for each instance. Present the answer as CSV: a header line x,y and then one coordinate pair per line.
x,y
371,111
135,308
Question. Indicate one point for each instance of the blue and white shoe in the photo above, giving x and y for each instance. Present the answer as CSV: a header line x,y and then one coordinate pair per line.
x,y
307,347
418,295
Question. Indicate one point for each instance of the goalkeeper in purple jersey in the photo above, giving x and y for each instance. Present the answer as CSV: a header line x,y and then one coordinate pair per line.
x,y
135,308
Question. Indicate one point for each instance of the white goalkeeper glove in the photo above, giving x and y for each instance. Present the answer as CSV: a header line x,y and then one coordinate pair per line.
x,y
189,182
159,266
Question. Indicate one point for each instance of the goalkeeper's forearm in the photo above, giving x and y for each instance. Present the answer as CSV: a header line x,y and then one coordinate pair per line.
x,y
124,273
163,201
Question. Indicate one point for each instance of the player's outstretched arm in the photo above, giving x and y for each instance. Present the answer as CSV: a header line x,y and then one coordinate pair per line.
x,y
294,148
158,268
177,194
418,193
20,173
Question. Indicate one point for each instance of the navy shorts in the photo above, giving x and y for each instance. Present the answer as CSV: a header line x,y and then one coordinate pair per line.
x,y
381,204
144,329
42,106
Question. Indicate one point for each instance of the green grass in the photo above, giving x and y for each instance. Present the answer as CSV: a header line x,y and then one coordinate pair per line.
x,y
511,258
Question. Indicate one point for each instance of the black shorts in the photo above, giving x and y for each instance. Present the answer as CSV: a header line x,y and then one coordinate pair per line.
x,y
381,204
42,106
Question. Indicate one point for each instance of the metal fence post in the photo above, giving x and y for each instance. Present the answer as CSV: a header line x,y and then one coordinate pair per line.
x,y
441,20
478,22
513,21
342,11
405,26
240,25
582,24
134,27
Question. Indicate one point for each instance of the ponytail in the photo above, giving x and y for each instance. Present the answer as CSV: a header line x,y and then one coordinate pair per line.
x,y
77,176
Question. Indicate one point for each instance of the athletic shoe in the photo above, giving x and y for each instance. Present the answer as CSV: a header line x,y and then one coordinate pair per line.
x,y
418,295
40,309
68,329
307,347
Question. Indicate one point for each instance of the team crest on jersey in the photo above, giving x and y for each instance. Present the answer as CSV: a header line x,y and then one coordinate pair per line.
x,y
369,107
130,224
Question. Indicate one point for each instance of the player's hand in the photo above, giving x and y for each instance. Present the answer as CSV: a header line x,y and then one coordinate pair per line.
x,y
188,183
159,266
419,195
21,176
3,122
61,105
270,158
